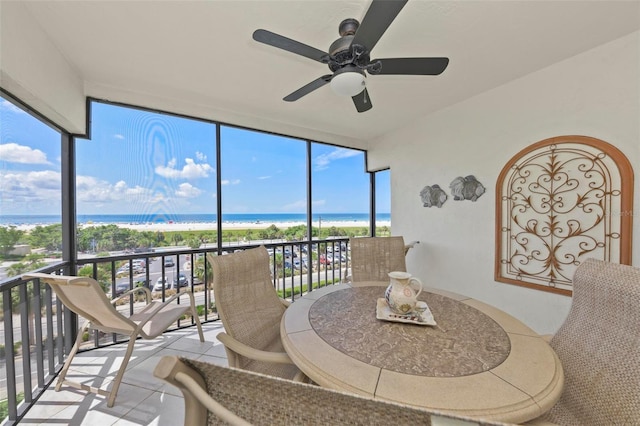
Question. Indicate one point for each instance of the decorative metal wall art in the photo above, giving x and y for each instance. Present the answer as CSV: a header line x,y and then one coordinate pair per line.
x,y
558,202
466,188
433,196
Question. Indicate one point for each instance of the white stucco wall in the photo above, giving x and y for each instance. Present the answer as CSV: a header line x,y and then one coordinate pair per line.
x,y
32,69
596,94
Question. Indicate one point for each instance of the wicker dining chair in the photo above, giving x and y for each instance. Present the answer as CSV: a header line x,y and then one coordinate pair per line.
x,y
599,347
220,395
372,258
85,297
251,310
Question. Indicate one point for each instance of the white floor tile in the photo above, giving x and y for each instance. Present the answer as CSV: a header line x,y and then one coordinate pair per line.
x,y
142,398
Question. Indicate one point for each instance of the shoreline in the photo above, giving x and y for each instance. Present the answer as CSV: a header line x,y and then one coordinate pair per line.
x,y
212,226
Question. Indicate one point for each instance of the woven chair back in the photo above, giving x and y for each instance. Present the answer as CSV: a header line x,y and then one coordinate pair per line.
x,y
263,400
246,300
372,258
599,346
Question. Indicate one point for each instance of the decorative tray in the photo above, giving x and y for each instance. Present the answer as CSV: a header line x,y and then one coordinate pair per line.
x,y
422,315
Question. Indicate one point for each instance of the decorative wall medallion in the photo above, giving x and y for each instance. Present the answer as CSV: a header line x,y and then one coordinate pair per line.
x,y
466,188
558,202
433,196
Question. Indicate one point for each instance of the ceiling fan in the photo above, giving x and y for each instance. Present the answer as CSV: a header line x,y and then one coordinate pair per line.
x,y
349,56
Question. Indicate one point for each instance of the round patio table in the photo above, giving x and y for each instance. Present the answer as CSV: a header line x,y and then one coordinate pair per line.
x,y
477,361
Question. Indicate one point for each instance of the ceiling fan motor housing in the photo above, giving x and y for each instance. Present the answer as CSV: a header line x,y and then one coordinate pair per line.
x,y
343,51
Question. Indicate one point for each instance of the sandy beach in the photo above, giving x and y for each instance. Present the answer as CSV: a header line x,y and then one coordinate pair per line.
x,y
211,226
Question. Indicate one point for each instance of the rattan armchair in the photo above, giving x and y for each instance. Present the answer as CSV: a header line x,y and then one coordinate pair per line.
x,y
372,258
251,310
85,297
221,395
599,347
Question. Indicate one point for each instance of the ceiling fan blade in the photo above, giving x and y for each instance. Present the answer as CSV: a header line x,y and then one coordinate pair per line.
x,y
281,42
308,88
380,15
413,66
362,101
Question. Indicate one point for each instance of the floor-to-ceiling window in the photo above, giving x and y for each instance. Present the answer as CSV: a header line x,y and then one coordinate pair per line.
x,y
144,179
383,202
30,227
263,181
340,188
30,190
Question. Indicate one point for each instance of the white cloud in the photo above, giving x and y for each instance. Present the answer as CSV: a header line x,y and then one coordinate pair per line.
x,y
264,177
17,187
230,182
322,161
118,136
191,170
186,190
201,157
14,153
92,190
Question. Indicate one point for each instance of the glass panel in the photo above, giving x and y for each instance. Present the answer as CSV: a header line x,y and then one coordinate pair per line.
x,y
146,181
340,188
264,190
30,228
30,194
383,203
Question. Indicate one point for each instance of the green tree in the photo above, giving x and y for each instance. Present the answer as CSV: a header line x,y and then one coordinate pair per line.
x,y
193,242
48,237
103,274
271,233
30,263
176,238
296,233
9,237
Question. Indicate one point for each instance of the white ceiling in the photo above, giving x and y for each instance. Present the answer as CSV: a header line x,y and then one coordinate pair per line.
x,y
200,55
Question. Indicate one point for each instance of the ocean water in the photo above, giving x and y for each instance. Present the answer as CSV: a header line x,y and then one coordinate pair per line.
x,y
267,218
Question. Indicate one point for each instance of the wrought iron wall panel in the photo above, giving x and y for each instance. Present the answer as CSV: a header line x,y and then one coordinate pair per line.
x,y
558,202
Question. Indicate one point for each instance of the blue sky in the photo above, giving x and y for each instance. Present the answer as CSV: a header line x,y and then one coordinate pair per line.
x,y
140,162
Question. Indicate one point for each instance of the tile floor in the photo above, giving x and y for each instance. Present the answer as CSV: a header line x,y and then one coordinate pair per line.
x,y
142,398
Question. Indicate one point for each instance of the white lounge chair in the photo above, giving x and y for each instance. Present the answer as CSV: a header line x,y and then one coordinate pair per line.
x,y
85,297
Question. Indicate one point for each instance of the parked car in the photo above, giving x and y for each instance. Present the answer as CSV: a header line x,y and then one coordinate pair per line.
x,y
182,280
300,265
168,262
121,287
162,282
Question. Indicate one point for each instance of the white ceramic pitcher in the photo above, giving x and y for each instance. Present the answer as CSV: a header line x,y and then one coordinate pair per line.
x,y
402,292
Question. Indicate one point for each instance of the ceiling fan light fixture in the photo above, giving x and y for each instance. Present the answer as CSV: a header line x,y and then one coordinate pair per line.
x,y
348,83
